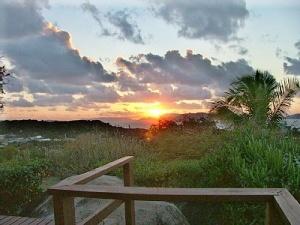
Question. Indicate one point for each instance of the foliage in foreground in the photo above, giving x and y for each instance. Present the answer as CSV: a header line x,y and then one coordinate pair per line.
x,y
245,157
20,184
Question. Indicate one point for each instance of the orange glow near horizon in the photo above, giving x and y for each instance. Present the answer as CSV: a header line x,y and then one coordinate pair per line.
x,y
155,112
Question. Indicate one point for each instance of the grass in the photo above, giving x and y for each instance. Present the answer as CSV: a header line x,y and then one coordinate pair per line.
x,y
244,157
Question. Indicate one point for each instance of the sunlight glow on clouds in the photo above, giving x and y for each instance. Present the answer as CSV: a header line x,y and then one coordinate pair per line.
x,y
53,79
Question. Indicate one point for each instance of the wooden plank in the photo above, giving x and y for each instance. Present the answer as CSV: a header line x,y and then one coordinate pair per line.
x,y
44,221
34,221
20,221
102,213
272,215
167,194
64,211
11,220
289,207
129,204
91,175
2,217
16,220
5,220
28,221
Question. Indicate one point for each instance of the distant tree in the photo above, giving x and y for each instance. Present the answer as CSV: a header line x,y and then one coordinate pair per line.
x,y
258,97
3,74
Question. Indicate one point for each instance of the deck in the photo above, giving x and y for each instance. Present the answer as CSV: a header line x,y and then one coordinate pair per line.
x,y
281,207
16,220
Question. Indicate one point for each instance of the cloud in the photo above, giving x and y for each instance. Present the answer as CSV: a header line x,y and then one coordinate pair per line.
x,y
21,102
239,49
292,65
52,100
50,56
124,27
173,77
20,19
44,61
297,45
172,68
13,84
217,19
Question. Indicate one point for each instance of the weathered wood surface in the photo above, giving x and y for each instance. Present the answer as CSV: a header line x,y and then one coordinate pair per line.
x,y
288,206
64,210
16,220
91,175
102,213
129,204
281,205
167,194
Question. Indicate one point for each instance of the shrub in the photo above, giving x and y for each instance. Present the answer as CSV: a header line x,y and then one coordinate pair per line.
x,y
20,184
253,158
8,153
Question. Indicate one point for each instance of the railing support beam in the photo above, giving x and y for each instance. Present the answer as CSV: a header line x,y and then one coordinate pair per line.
x,y
129,204
272,215
64,211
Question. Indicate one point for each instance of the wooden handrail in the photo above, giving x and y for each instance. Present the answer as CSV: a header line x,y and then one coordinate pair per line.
x,y
64,211
93,174
282,207
288,206
167,194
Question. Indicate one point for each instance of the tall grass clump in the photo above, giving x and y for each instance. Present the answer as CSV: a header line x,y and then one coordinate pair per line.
x,y
91,150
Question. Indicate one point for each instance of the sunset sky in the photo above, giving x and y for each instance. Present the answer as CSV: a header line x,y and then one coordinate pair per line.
x,y
122,61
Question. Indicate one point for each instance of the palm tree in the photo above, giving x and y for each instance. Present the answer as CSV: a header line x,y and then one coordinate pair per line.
x,y
258,97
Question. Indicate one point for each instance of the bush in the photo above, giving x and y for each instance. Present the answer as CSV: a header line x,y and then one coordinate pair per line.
x,y
253,158
20,184
8,153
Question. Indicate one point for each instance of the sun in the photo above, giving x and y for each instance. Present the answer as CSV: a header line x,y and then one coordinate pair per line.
x,y
155,112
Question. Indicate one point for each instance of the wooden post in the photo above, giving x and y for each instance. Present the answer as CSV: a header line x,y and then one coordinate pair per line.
x,y
272,215
64,211
129,204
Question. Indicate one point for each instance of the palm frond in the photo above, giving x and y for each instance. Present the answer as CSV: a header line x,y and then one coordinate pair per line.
x,y
285,93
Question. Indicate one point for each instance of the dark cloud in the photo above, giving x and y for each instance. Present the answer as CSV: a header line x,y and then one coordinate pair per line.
x,y
292,65
218,19
297,45
96,14
44,61
13,84
21,102
172,78
239,49
20,18
192,70
52,100
50,56
127,29
124,27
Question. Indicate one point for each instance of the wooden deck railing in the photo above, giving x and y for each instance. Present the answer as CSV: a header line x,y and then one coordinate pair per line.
x,y
282,207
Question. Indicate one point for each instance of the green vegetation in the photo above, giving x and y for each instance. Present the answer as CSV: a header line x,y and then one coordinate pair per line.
x,y
258,97
245,157
20,184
